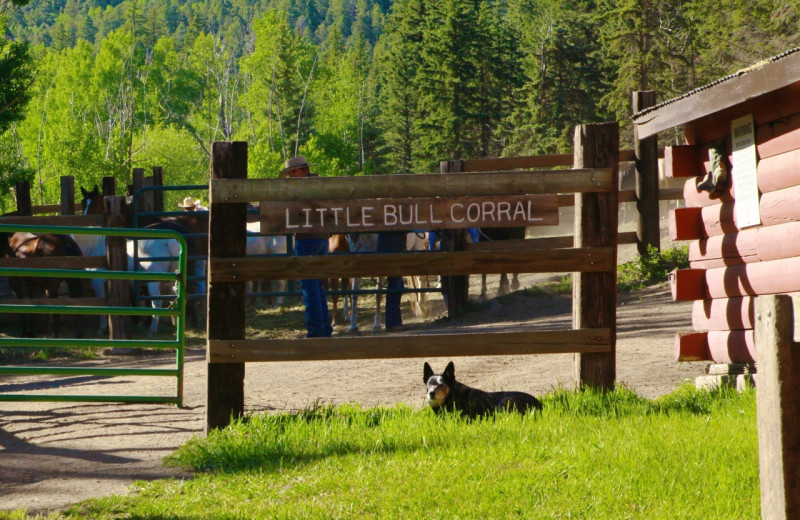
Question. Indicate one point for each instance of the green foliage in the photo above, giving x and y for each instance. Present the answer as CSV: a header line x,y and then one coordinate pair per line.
x,y
653,267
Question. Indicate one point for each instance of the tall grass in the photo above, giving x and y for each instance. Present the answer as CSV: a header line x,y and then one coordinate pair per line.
x,y
592,455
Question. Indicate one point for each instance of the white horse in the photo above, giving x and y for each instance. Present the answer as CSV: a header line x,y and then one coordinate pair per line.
x,y
95,245
258,245
420,305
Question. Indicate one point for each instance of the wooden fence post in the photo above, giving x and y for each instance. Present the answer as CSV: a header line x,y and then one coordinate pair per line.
x,y
594,295
109,186
226,300
117,258
158,196
648,227
456,288
778,408
23,192
67,195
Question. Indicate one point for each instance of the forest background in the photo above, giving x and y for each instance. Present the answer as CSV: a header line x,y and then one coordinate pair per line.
x,y
93,88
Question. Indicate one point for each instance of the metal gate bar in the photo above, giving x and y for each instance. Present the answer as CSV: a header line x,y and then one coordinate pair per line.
x,y
177,311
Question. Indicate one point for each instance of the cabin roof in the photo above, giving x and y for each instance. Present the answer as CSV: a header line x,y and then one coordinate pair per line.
x,y
758,79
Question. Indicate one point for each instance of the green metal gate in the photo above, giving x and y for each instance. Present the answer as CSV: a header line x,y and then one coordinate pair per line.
x,y
176,310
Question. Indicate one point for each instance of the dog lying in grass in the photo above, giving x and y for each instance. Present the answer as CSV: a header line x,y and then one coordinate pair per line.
x,y
447,394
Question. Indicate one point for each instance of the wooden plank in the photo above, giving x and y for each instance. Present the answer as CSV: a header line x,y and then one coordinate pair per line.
x,y
768,78
528,243
226,299
55,262
511,163
594,295
691,346
688,284
628,237
341,216
57,220
239,269
723,314
45,209
583,180
109,186
760,278
158,195
778,409
682,161
410,346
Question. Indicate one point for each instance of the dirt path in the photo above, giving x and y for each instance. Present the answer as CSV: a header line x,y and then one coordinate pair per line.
x,y
58,453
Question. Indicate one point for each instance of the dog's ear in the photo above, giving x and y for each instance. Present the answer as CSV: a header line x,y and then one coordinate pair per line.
x,y
427,372
449,372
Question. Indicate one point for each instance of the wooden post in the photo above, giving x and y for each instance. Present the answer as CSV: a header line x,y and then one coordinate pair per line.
x,y
109,186
226,300
138,184
117,258
778,408
648,229
158,196
24,206
67,195
594,295
456,288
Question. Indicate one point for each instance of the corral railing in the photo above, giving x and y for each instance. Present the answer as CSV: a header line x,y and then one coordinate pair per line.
x,y
75,268
593,259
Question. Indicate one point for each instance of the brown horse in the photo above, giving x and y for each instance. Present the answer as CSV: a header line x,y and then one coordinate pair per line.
x,y
28,245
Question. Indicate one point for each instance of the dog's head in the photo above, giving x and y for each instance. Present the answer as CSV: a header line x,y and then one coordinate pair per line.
x,y
438,386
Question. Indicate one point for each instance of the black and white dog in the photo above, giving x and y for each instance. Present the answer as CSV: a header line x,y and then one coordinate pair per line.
x,y
445,393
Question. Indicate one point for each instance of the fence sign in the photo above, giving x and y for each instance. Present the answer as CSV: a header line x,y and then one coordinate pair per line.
x,y
336,216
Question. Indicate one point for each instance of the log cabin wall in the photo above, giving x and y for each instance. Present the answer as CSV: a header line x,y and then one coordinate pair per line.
x,y
731,264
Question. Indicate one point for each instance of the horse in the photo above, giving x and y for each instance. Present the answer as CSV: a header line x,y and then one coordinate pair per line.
x,y
28,245
338,243
192,225
368,243
503,233
420,306
260,245
94,245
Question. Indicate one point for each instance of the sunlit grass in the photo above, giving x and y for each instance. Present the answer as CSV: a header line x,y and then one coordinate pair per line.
x,y
690,454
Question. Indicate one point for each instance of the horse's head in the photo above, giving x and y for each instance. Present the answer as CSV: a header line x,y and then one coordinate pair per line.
x,y
92,201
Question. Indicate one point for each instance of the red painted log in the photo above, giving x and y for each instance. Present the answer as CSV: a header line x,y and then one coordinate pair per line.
x,y
732,346
770,277
778,108
736,346
757,244
779,172
697,199
682,161
688,285
776,207
691,346
685,224
723,314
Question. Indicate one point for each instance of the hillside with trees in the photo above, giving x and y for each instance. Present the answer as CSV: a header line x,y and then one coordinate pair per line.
x,y
92,88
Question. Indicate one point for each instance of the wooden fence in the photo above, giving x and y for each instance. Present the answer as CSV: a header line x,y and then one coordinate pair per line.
x,y
593,259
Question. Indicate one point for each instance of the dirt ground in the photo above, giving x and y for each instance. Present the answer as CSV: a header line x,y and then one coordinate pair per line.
x,y
54,454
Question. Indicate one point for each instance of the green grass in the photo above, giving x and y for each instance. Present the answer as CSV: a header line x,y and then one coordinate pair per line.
x,y
691,454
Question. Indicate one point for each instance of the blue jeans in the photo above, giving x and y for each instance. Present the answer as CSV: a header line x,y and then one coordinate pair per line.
x,y
393,243
317,319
